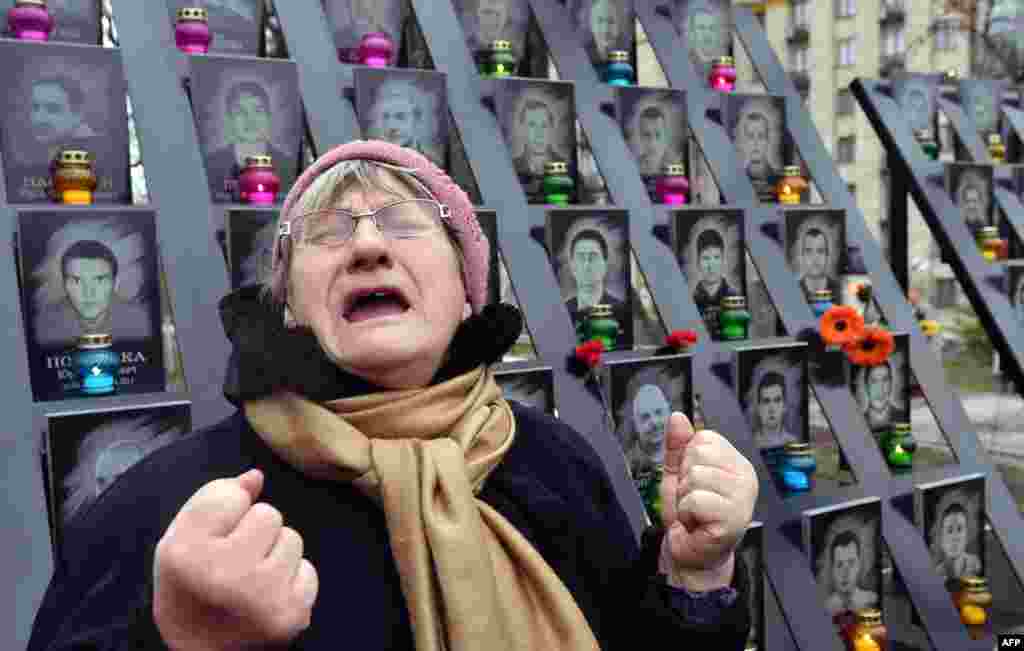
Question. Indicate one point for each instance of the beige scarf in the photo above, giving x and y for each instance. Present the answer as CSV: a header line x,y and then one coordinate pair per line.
x,y
471,580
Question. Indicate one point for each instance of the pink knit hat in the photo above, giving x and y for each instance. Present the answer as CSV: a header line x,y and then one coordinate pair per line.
x,y
475,247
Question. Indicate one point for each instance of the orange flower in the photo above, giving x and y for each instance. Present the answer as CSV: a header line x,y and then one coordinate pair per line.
x,y
841,325
872,349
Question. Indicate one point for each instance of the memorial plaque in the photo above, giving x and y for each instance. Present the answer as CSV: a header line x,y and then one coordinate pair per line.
x,y
654,124
951,515
772,383
756,125
709,246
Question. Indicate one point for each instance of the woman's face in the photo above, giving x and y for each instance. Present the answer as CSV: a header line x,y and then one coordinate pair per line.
x,y
398,345
954,535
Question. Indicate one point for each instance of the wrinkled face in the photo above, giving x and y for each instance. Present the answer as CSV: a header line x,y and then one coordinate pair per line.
x,y
538,130
397,344
845,568
651,142
954,535
249,119
710,263
589,266
879,386
604,24
89,284
393,120
815,255
706,35
752,144
491,15
113,462
52,117
650,415
771,404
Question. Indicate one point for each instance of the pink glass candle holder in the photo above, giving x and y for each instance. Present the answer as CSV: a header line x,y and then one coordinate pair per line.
x,y
258,183
30,20
723,74
672,186
376,50
192,31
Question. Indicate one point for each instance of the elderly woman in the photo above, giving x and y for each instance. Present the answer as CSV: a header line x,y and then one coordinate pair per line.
x,y
374,490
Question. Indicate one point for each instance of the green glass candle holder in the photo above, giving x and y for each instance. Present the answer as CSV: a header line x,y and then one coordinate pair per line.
x,y
500,61
557,185
600,324
734,319
928,144
648,483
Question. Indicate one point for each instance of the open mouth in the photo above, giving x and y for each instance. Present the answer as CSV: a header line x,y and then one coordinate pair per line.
x,y
374,303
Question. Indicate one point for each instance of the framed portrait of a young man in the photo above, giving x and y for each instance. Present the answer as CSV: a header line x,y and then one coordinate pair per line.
x,y
756,125
590,254
88,273
705,28
752,551
234,24
844,546
350,20
486,21
489,225
527,383
604,26
709,246
915,95
772,384
653,121
537,118
970,186
405,107
980,100
62,96
246,108
951,515
250,239
883,391
87,451
75,21
816,249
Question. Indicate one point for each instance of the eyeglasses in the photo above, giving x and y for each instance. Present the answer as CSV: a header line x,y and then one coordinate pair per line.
x,y
406,219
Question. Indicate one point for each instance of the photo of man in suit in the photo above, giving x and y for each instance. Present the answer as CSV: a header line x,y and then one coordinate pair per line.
x,y
588,264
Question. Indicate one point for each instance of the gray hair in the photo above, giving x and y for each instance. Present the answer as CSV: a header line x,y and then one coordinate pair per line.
x,y
327,189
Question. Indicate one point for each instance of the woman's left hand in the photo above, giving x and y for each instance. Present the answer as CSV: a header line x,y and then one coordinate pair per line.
x,y
708,491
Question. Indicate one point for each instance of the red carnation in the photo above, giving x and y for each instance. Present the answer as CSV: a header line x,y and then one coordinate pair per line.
x,y
681,339
589,352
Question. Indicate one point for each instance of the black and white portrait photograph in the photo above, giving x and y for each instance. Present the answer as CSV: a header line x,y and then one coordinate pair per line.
x,y
604,26
530,385
590,254
915,95
489,225
970,188
772,383
653,120
486,21
246,108
980,99
90,273
883,391
856,296
537,118
642,393
250,241
951,515
706,29
844,545
1015,278
751,549
89,450
405,107
757,128
816,249
709,247
234,24
350,20
75,21
59,97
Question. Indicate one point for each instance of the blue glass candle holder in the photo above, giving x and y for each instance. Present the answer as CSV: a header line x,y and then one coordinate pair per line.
x,y
96,364
617,70
796,467
821,302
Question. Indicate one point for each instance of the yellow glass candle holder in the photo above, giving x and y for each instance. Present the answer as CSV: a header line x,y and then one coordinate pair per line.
x,y
74,179
791,186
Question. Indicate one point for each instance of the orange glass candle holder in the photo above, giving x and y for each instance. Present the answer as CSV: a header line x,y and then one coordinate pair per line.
x,y
866,632
972,600
791,186
74,179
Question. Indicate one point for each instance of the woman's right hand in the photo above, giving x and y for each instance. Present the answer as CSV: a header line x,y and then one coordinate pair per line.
x,y
227,575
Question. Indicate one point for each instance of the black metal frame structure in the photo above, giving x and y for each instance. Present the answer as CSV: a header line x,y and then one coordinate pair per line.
x,y
187,222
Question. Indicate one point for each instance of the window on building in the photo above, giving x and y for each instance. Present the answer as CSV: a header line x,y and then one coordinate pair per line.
x,y
848,51
846,8
800,59
947,37
844,102
846,150
893,41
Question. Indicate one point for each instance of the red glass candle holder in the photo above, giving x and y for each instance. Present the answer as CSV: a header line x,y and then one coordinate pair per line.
x,y
30,20
672,187
376,49
74,179
723,74
258,183
192,31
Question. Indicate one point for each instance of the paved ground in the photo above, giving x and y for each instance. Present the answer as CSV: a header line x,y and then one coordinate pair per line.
x,y
999,419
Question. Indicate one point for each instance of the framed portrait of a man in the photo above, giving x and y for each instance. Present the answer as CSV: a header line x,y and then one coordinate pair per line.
x,y
234,24
705,27
405,107
883,391
816,249
951,515
527,383
246,108
653,120
915,95
250,239
75,21
844,545
590,254
537,118
1015,283
756,125
486,21
489,225
604,26
772,384
709,246
981,101
752,551
642,393
62,96
350,20
87,451
970,187
90,272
